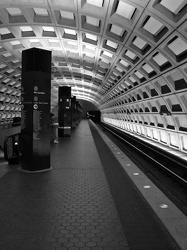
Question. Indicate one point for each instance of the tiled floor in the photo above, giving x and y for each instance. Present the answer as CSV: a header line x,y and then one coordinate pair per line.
x,y
70,207
87,201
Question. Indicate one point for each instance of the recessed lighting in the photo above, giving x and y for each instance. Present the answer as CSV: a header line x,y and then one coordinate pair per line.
x,y
48,28
160,59
91,37
41,12
97,3
140,43
178,46
25,28
153,26
132,79
147,68
53,41
7,54
71,43
92,21
105,61
67,15
10,71
107,54
139,75
6,80
173,5
116,30
90,47
112,44
34,40
130,54
125,10
4,31
15,61
14,11
119,69
15,42
126,64
115,73
69,31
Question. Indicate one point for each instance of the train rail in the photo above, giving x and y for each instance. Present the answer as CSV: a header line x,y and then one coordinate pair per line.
x,y
175,166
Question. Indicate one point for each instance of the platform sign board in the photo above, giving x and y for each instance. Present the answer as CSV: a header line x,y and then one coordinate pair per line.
x,y
35,112
64,112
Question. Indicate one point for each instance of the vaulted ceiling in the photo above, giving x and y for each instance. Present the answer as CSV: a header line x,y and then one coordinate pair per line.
x,y
128,57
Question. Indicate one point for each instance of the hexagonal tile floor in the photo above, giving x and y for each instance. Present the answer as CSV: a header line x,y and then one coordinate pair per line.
x,y
70,207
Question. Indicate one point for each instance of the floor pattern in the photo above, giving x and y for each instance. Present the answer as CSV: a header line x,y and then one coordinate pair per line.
x,y
70,207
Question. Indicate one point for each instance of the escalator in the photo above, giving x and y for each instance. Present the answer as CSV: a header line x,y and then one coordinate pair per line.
x,y
12,149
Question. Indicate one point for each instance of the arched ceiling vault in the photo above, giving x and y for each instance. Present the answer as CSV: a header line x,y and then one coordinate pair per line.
x,y
128,57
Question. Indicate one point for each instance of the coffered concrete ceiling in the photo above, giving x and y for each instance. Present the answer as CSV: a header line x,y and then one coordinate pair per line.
x,y
128,57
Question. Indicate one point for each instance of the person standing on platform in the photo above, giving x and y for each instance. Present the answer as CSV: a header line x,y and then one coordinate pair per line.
x,y
54,129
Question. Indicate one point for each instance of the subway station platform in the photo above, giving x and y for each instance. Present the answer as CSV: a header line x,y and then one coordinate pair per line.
x,y
93,198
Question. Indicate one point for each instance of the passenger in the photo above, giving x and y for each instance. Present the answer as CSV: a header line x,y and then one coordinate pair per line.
x,y
54,126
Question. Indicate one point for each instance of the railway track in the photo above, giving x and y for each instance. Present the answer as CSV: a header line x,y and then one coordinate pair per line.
x,y
167,171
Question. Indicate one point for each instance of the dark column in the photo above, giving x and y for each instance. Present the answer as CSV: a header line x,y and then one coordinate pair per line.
x,y
35,113
64,112
73,110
